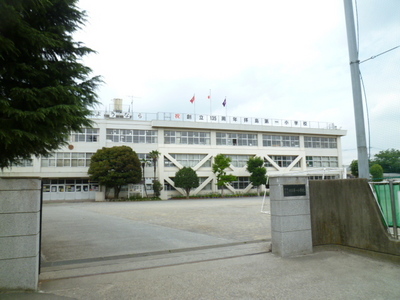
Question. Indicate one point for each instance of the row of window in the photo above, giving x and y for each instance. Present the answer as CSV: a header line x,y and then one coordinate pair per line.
x,y
240,161
23,163
132,136
88,135
186,137
67,159
69,185
322,161
201,138
282,161
320,142
237,139
80,159
281,141
187,160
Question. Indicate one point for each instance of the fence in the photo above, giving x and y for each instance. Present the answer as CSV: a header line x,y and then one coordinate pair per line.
x,y
388,197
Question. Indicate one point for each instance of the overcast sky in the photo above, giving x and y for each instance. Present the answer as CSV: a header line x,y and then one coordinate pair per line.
x,y
271,59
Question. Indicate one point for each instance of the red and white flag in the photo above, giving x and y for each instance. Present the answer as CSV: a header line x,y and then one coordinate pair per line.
x,y
193,99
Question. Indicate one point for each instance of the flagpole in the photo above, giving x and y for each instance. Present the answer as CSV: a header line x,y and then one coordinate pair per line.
x,y
209,97
226,111
194,105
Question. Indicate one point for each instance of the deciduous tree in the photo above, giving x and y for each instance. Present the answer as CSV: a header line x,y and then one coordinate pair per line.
x,y
389,160
115,167
45,92
187,179
221,163
255,166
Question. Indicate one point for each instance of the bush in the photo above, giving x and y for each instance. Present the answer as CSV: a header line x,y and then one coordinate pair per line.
x,y
135,198
217,195
377,172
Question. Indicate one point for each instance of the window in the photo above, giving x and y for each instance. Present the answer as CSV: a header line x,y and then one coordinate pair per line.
x,y
241,183
167,186
23,163
237,139
66,159
322,177
146,156
89,135
282,161
132,136
280,141
322,161
186,137
320,142
68,185
207,186
187,160
239,161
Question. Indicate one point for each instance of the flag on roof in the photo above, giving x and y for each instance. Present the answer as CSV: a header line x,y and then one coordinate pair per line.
x,y
193,99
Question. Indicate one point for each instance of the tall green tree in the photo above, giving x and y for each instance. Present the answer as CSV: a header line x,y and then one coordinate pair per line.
x,y
255,166
115,167
144,162
154,154
221,163
157,186
187,179
45,92
389,160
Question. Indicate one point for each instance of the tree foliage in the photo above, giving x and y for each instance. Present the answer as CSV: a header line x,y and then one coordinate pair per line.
x,y
187,179
115,167
255,166
389,160
354,168
376,172
221,163
45,92
157,188
154,154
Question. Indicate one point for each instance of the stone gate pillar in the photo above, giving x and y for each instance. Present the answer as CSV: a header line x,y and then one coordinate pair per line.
x,y
19,233
290,216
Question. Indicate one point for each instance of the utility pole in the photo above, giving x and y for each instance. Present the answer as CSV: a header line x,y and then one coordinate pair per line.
x,y
363,165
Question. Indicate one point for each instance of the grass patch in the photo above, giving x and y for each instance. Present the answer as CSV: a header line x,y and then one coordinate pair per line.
x,y
135,198
218,195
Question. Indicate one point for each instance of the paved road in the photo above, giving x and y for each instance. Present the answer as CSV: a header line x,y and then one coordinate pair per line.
x,y
190,250
73,231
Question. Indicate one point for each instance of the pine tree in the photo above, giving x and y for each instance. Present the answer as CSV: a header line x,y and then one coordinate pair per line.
x,y
45,92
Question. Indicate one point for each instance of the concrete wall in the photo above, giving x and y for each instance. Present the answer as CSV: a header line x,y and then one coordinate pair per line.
x,y
344,212
19,233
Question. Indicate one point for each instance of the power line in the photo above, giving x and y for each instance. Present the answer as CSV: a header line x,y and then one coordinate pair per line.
x,y
375,56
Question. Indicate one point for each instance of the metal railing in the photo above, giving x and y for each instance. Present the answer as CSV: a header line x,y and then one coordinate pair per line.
x,y
204,118
387,194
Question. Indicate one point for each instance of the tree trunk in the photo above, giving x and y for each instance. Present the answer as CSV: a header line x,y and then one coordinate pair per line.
x,y
117,189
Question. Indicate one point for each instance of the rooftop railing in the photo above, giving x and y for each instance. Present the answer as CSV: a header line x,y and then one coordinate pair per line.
x,y
204,118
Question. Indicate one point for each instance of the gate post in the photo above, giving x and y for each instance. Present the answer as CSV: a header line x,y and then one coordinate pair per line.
x,y
19,233
290,216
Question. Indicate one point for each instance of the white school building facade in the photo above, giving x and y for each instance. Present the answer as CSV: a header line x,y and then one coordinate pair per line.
x,y
286,146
